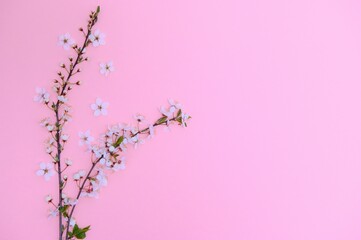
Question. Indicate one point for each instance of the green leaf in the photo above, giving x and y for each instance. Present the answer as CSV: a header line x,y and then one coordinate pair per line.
x,y
70,235
179,113
75,229
161,120
79,233
118,142
98,9
63,209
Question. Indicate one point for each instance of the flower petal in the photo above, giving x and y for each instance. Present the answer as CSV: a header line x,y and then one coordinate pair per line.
x,y
42,165
94,106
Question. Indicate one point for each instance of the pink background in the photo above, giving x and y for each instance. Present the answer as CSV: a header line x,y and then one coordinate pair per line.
x,y
274,147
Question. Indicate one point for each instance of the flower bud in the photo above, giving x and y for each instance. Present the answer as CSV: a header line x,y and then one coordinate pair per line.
x,y
64,137
48,199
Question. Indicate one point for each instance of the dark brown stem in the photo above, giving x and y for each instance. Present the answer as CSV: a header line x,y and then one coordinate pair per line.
x,y
57,137
58,120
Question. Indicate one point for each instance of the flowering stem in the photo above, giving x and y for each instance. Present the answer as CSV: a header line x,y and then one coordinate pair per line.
x,y
58,124
87,178
78,196
154,125
57,136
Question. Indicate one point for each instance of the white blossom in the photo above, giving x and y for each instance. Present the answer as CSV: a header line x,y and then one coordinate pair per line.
x,y
72,221
105,160
85,138
68,162
49,144
79,175
135,139
98,152
139,118
62,99
42,96
48,198
70,201
185,117
174,105
53,213
50,127
114,130
50,141
91,191
66,116
106,68
67,109
64,137
111,149
171,110
49,149
99,107
46,170
102,178
97,38
168,113
151,131
45,122
120,165
56,87
66,41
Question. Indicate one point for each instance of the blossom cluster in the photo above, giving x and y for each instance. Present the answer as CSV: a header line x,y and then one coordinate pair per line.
x,y
108,155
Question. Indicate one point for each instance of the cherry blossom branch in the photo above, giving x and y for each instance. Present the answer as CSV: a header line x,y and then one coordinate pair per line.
x,y
78,196
155,125
60,181
161,121
60,101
